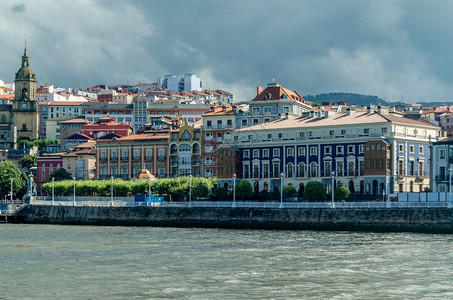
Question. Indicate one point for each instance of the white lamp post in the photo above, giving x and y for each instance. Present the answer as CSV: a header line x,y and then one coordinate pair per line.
x,y
387,188
74,200
111,191
449,187
234,190
11,196
333,190
190,190
281,189
53,191
149,190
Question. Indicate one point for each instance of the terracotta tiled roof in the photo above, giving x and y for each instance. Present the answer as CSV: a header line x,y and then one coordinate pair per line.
x,y
66,103
142,137
277,92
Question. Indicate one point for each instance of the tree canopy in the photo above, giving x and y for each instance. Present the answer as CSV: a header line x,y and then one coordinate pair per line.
x,y
61,174
342,192
28,161
244,189
9,171
314,190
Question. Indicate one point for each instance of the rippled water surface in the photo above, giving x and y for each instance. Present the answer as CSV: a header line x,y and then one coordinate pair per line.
x,y
82,262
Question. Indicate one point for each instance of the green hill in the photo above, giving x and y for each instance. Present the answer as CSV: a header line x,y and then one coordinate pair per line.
x,y
350,98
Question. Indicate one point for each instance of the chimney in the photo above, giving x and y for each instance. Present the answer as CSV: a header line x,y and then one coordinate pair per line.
x,y
211,108
223,108
286,116
368,109
348,111
259,89
234,108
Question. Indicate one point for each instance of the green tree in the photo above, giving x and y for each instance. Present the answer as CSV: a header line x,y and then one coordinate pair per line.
x,y
9,171
342,192
244,189
41,144
314,190
289,191
61,174
28,161
220,192
265,195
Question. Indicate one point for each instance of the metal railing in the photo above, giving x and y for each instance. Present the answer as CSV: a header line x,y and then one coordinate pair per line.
x,y
250,204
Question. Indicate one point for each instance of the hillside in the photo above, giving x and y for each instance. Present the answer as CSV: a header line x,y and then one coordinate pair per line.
x,y
346,97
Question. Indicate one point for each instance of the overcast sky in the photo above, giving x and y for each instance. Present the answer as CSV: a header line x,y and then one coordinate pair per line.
x,y
397,50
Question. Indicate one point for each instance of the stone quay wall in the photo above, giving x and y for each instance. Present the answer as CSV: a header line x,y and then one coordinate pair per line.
x,y
435,220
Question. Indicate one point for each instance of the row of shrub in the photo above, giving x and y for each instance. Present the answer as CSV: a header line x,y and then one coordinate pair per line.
x,y
176,189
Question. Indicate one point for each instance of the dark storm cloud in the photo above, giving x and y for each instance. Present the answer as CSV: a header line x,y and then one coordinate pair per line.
x,y
393,49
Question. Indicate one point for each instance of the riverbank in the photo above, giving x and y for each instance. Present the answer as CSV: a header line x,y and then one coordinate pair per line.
x,y
432,220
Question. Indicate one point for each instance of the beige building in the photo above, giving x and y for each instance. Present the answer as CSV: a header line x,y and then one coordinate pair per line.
x,y
81,162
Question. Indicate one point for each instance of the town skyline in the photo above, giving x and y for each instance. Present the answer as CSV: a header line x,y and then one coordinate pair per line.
x,y
312,47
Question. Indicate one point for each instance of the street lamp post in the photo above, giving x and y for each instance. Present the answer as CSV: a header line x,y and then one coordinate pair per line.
x,y
149,190
387,188
190,190
449,187
111,191
53,191
333,190
11,196
234,190
281,189
74,200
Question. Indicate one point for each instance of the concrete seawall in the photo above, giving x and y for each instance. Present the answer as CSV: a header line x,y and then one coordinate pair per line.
x,y
436,220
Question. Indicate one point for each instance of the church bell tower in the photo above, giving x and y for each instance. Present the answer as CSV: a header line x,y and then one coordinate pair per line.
x,y
25,107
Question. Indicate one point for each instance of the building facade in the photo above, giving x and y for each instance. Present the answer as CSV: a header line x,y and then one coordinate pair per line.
x,y
362,150
186,151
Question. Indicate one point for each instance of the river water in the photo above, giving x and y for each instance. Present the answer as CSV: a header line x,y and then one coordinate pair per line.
x,y
84,262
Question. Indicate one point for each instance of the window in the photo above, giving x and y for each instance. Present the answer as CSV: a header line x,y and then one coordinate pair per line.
x,y
339,149
366,130
280,135
420,149
256,153
267,109
290,152
209,124
340,168
301,150
350,149
411,149
442,153
327,168
331,132
328,150
276,169
269,136
372,146
301,170
286,109
290,170
244,122
343,131
361,148
276,152
265,170
401,148
265,152
301,134
256,110
313,151
246,153
255,121
384,129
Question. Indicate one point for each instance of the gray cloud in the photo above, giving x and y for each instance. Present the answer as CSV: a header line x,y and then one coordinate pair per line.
x,y
18,7
393,49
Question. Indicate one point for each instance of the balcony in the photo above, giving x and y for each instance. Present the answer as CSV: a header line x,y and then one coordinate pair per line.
x,y
161,157
148,158
103,159
136,158
124,158
114,158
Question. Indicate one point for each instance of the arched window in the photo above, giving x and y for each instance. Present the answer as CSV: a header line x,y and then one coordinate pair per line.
x,y
351,168
196,148
289,170
255,171
301,170
313,170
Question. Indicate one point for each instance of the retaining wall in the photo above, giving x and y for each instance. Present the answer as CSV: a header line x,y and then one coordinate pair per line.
x,y
438,220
